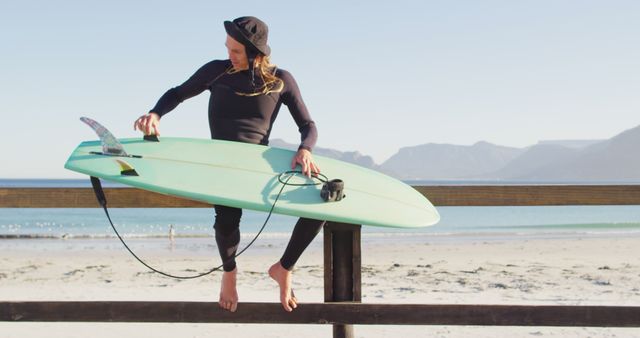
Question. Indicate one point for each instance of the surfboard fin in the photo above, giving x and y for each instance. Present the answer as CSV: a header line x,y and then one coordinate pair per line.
x,y
110,144
126,169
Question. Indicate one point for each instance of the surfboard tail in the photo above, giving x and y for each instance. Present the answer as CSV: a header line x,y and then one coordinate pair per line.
x,y
111,146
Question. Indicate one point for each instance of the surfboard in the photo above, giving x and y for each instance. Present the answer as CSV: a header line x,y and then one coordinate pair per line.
x,y
250,176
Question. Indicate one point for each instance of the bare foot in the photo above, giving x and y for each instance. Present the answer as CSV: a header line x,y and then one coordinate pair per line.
x,y
228,292
283,277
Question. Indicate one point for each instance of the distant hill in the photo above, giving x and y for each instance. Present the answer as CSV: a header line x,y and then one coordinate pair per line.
x,y
348,156
446,161
575,144
532,159
615,159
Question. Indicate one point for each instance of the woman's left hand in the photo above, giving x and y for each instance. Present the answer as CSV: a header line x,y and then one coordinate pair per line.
x,y
305,160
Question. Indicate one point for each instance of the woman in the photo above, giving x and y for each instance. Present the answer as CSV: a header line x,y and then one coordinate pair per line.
x,y
246,94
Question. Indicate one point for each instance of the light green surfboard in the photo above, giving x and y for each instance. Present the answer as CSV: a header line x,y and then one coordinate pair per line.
x,y
246,176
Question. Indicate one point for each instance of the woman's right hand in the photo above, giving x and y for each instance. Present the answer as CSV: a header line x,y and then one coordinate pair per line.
x,y
148,124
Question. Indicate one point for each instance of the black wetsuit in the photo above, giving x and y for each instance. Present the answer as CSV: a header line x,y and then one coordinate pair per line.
x,y
243,118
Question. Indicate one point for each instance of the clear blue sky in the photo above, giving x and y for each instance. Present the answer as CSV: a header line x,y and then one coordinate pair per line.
x,y
375,76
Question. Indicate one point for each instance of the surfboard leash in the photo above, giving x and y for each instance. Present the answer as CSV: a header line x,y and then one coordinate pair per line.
x,y
102,200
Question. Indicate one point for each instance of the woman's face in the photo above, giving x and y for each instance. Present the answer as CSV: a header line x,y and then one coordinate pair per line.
x,y
237,54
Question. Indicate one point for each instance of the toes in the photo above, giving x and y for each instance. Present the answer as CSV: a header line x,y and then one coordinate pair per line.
x,y
228,305
289,303
286,304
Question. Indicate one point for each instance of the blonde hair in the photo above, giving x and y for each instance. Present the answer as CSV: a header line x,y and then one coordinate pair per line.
x,y
267,71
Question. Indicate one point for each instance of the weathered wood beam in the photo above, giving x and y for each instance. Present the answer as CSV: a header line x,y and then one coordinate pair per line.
x,y
531,195
342,268
323,313
85,198
452,195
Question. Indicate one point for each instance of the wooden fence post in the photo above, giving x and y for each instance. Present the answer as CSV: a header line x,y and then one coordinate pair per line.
x,y
342,268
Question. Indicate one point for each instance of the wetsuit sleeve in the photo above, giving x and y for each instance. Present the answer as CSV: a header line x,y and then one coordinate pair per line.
x,y
292,98
195,85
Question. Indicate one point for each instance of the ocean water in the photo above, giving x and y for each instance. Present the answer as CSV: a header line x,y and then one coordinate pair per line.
x,y
457,223
189,222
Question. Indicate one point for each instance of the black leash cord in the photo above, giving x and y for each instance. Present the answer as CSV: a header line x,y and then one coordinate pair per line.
x,y
97,188
320,177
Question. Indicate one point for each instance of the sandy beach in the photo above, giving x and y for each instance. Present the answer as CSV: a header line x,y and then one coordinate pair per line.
x,y
579,271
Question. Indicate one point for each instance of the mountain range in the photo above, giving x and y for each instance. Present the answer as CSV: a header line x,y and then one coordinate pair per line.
x,y
613,160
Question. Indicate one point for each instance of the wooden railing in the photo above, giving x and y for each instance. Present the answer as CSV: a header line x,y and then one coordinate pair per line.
x,y
323,313
450,195
342,269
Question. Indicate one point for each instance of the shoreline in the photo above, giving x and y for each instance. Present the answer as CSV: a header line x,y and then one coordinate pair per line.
x,y
523,232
